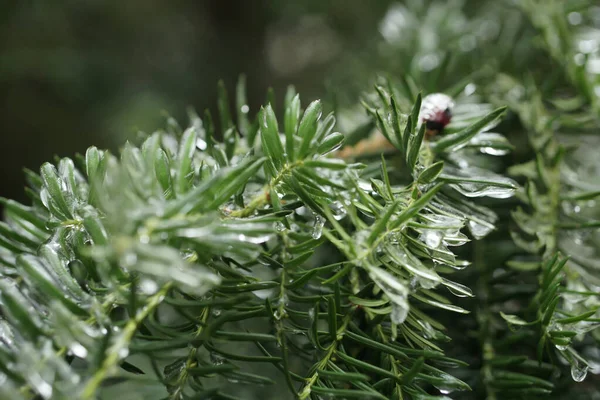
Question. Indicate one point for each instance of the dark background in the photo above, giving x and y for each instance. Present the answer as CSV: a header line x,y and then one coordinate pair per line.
x,y
81,73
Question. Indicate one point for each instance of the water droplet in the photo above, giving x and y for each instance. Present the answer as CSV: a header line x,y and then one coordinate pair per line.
x,y
394,238
253,239
279,314
42,387
280,227
561,347
245,109
584,326
264,293
446,387
478,189
399,313
517,92
593,67
78,350
432,238
455,239
318,227
75,379
263,261
148,286
123,352
428,331
5,334
338,209
470,89
458,289
283,300
574,18
427,276
467,43
216,312
201,144
129,259
578,371
426,283
479,230
493,151
393,23
394,289
428,62
216,359
477,182
588,46
414,283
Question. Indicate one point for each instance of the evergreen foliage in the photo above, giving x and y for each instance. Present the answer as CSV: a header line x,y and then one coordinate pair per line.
x,y
241,252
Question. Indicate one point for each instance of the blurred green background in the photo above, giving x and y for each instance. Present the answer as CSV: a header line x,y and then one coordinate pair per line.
x,y
81,73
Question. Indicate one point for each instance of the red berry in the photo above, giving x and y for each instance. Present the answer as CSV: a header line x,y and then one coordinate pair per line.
x,y
436,112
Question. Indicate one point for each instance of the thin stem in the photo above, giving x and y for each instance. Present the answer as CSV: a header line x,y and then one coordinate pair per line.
x,y
310,382
254,204
393,361
119,349
191,359
263,198
484,316
387,233
281,315
374,144
282,339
